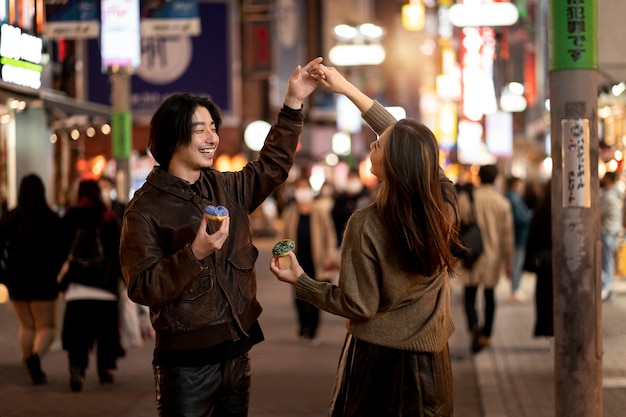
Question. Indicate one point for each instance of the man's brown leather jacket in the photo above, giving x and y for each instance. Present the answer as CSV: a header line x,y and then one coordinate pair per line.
x,y
196,304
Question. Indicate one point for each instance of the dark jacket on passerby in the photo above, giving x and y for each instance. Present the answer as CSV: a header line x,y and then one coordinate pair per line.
x,y
201,303
539,260
32,224
86,217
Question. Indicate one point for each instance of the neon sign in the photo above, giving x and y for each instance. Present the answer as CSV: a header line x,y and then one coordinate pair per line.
x,y
21,56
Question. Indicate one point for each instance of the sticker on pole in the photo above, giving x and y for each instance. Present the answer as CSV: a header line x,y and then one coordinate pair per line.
x,y
576,171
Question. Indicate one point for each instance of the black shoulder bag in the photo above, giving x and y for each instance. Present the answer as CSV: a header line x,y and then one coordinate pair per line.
x,y
471,239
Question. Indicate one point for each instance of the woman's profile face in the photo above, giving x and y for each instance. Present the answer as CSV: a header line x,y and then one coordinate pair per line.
x,y
376,155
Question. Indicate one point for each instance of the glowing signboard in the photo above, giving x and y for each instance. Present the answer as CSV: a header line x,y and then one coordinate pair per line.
x,y
21,56
119,30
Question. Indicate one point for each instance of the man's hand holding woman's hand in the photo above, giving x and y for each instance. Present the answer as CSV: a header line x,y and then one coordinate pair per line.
x,y
302,82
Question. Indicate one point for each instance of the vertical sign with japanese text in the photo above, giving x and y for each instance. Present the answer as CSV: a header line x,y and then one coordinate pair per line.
x,y
576,167
573,29
120,45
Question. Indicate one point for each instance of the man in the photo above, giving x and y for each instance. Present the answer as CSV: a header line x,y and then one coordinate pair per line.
x,y
610,228
522,217
197,275
494,217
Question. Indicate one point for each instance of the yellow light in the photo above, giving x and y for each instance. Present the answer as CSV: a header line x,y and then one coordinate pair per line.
x,y
4,294
413,16
98,164
225,163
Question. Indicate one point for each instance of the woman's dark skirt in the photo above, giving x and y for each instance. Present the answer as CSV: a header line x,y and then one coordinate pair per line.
x,y
377,381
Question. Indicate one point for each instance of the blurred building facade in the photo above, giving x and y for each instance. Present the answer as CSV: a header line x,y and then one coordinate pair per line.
x,y
241,52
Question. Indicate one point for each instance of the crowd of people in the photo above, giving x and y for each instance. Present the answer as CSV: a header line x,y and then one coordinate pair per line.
x,y
384,261
79,267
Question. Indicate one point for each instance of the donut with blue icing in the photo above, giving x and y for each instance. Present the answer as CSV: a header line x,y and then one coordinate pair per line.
x,y
218,213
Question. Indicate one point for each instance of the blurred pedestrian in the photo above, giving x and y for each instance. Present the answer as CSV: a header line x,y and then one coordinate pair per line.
x,y
539,261
522,216
90,280
326,197
346,202
310,226
130,312
29,277
197,275
394,278
110,197
611,201
495,219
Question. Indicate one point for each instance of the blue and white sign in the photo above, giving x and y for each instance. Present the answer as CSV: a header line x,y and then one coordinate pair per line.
x,y
198,65
170,18
72,19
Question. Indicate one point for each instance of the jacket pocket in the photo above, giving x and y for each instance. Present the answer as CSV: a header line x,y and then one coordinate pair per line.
x,y
194,309
242,264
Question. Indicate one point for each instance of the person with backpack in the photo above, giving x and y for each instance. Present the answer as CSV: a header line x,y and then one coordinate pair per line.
x,y
492,212
89,280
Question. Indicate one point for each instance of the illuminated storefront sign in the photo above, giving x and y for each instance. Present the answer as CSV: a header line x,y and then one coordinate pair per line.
x,y
20,57
119,34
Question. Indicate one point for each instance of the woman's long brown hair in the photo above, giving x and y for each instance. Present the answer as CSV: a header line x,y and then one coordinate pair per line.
x,y
418,203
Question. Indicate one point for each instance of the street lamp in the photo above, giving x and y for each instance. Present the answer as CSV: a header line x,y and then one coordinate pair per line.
x,y
359,45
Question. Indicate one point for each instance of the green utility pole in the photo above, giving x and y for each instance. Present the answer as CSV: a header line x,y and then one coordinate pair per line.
x,y
575,208
121,129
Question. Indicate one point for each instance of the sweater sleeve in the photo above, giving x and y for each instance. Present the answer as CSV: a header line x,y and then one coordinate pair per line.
x,y
358,294
378,118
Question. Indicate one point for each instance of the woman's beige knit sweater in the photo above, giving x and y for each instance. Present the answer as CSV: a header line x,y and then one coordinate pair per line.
x,y
384,305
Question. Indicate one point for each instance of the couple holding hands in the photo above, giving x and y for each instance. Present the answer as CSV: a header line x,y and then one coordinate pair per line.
x,y
199,281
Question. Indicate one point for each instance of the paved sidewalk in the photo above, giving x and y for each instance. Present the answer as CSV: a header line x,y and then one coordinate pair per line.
x,y
512,378
516,375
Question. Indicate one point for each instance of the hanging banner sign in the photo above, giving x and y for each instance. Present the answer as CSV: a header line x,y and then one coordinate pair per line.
x,y
170,18
122,124
120,40
573,30
80,19
21,57
576,169
72,19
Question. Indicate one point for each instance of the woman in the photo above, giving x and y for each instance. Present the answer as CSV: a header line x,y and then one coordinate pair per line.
x,y
90,283
30,275
394,280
